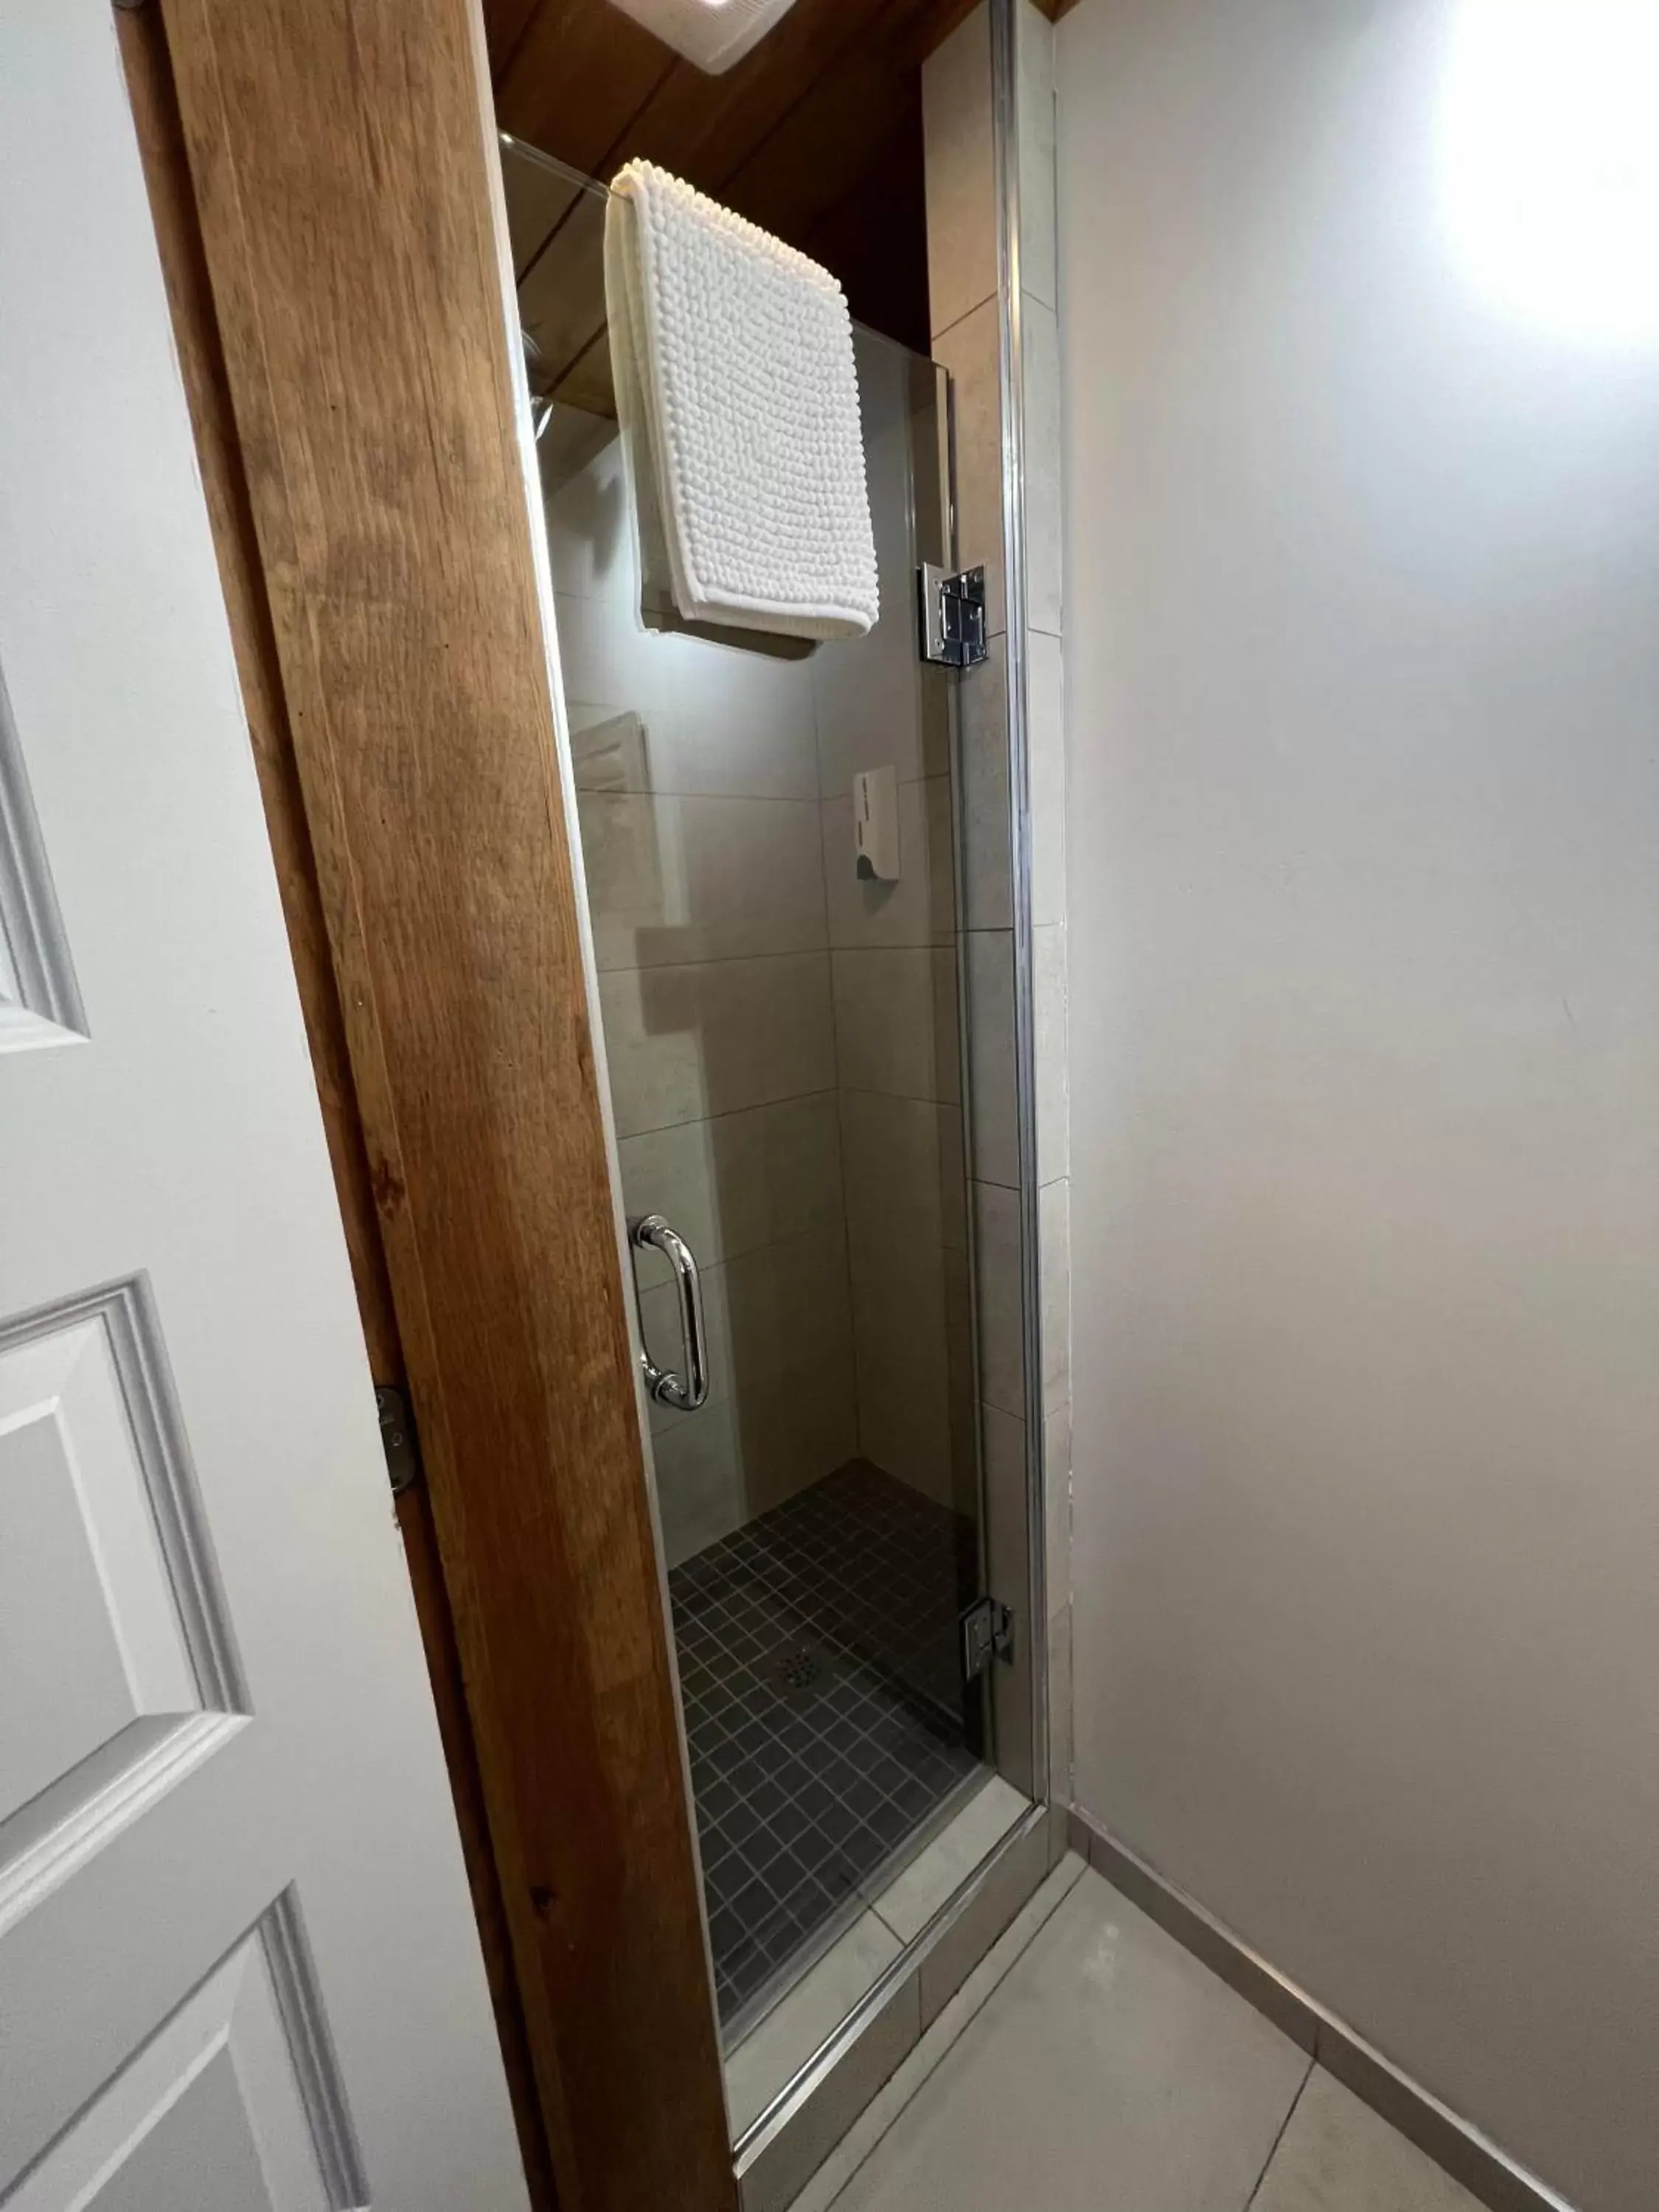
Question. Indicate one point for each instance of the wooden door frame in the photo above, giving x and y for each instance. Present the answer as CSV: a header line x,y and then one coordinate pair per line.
x,y
323,177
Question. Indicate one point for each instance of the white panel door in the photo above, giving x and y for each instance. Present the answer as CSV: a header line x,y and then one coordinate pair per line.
x,y
238,1964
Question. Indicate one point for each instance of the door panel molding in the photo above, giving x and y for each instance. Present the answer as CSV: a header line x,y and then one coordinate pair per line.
x,y
239,2086
39,1002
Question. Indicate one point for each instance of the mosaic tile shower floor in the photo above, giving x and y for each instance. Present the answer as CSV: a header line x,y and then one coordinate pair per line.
x,y
824,1707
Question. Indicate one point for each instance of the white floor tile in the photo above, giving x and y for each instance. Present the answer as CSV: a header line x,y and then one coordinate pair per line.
x,y
1337,2155
775,2050
1110,2072
866,2131
908,1903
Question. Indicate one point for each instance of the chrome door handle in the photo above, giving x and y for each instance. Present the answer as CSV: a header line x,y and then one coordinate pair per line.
x,y
684,1392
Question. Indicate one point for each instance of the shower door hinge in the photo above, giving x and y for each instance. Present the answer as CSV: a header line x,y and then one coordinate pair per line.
x,y
403,1453
987,1634
952,616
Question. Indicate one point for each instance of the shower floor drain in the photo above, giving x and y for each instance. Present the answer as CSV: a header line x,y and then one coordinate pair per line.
x,y
801,1667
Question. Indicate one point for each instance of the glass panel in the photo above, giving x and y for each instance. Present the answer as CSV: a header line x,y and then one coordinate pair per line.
x,y
784,1043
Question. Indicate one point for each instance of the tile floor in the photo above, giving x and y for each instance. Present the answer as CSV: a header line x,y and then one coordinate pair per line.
x,y
1092,2065
896,1909
825,1708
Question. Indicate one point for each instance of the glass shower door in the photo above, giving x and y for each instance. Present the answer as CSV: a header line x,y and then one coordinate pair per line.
x,y
784,1047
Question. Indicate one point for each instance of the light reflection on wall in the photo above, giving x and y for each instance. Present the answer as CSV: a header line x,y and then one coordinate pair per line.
x,y
1549,151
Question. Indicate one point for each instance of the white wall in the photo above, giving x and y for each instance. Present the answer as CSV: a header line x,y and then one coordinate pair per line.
x,y
1364,731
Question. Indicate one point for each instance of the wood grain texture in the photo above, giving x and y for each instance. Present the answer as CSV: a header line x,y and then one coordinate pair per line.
x,y
815,133
337,149
160,137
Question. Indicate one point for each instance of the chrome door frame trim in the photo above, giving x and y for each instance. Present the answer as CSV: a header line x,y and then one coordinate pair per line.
x,y
1005,128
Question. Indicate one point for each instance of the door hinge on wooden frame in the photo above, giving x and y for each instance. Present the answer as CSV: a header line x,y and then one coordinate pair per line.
x,y
398,1437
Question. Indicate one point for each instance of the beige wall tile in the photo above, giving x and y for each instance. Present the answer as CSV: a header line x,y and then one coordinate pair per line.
x,y
1059,1705
997,1258
896,1022
699,1477
1040,354
1007,1563
709,725
714,719
740,1180
673,881
1034,76
1057,1501
868,692
993,1089
956,109
1053,1102
1057,1576
914,1369
1054,1239
781,1408
921,907
686,1043
983,710
902,1172
1045,741
970,349
906,1433
791,1374
870,714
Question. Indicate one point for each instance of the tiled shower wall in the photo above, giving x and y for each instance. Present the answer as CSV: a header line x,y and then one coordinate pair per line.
x,y
894,966
703,840
994,303
782,1038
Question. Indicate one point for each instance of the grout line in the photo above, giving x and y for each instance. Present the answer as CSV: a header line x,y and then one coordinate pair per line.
x,y
956,321
1272,2153
728,1113
715,960
652,791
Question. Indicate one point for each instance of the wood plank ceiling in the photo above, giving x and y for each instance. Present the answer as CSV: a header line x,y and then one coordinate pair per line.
x,y
816,134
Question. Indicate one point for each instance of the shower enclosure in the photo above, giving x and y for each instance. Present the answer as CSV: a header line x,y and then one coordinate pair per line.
x,y
786,1047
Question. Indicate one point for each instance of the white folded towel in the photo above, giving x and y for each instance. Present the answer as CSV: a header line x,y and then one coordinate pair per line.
x,y
738,403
